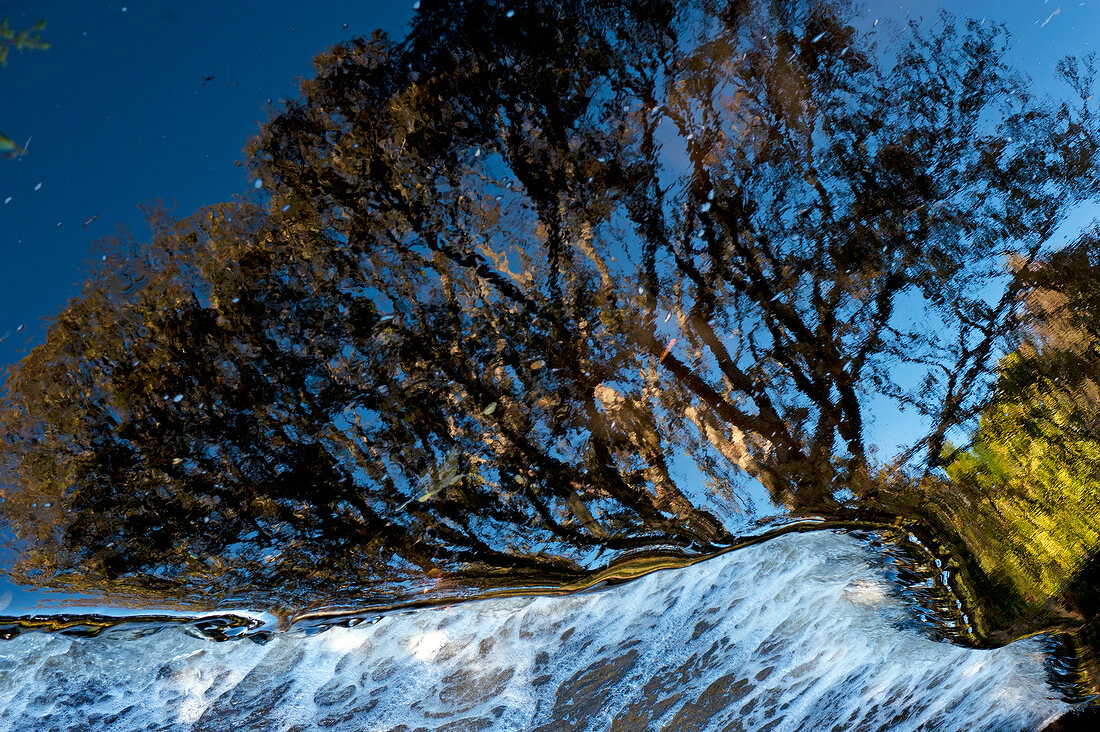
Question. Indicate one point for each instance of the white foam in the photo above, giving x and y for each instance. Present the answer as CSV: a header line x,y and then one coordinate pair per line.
x,y
799,633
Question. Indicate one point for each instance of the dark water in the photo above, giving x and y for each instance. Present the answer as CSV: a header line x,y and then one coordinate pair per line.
x,y
518,292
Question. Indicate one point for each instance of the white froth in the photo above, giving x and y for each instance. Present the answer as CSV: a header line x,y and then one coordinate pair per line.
x,y
799,633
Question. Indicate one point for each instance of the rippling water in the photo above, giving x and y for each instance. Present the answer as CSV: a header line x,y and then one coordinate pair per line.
x,y
799,633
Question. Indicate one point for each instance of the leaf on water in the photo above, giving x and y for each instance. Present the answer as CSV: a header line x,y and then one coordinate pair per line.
x,y
489,409
668,350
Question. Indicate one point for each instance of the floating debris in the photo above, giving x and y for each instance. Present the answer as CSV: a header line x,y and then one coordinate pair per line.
x,y
668,350
11,148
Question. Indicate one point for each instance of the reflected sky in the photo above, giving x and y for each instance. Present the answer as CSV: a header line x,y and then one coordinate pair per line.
x,y
133,102
146,100
141,101
138,101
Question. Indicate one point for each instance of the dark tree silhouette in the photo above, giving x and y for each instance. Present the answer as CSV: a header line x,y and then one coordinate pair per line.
x,y
509,270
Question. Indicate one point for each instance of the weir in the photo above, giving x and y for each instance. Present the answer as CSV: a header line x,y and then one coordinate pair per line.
x,y
802,632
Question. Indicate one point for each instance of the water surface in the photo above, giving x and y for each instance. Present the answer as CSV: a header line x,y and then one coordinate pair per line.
x,y
799,633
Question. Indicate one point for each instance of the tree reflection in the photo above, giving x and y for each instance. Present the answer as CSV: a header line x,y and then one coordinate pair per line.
x,y
509,270
1024,494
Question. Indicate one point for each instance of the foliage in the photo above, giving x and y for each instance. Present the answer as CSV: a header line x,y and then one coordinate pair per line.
x,y
1032,470
29,38
508,271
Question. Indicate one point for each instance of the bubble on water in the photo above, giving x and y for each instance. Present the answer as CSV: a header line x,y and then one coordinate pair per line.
x,y
8,199
38,187
510,13
286,207
177,398
257,184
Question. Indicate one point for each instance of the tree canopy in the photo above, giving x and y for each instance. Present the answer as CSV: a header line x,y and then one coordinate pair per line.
x,y
1028,475
539,283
